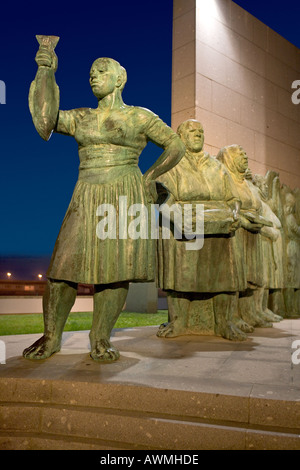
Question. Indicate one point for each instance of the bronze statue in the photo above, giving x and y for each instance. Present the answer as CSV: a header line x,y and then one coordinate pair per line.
x,y
272,250
110,140
276,299
296,194
201,284
292,254
247,239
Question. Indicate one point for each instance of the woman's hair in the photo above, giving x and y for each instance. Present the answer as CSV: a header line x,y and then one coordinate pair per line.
x,y
226,153
227,156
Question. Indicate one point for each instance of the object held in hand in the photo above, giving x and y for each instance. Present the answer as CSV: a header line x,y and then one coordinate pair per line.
x,y
256,219
47,45
44,93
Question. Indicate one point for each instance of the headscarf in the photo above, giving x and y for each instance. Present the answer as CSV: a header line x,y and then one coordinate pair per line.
x,y
226,156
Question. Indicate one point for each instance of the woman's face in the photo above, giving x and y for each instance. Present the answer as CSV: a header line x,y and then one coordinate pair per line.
x,y
103,78
241,160
193,136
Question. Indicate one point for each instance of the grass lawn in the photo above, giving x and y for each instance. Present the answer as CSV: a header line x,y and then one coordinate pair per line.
x,y
33,323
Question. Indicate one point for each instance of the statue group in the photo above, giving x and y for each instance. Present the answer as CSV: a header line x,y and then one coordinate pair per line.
x,y
246,273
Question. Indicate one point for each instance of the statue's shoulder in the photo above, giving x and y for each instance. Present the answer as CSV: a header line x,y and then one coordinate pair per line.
x,y
214,162
141,115
79,113
74,114
69,119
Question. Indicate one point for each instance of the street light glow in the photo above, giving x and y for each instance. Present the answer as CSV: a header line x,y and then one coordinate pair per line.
x,y
8,275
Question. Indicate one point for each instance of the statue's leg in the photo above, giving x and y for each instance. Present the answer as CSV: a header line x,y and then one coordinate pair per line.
x,y
178,308
268,313
261,306
225,306
276,302
58,299
290,300
248,302
297,294
109,300
236,317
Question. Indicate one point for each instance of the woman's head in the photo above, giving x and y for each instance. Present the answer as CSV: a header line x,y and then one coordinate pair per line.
x,y
261,182
192,134
234,158
107,75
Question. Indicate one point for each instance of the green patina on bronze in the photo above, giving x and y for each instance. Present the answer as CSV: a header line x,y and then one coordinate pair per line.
x,y
110,140
291,226
247,273
202,285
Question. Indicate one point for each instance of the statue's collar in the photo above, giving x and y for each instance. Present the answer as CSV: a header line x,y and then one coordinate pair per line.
x,y
197,158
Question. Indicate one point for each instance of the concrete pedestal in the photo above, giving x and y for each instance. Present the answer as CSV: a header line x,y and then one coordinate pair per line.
x,y
191,393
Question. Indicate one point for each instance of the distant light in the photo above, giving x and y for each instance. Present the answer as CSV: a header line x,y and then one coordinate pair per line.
x,y
40,276
8,275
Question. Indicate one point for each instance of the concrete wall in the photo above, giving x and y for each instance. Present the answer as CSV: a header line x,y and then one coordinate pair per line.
x,y
142,297
234,74
33,304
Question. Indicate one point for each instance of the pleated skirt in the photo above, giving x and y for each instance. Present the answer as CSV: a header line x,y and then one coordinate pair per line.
x,y
84,253
211,269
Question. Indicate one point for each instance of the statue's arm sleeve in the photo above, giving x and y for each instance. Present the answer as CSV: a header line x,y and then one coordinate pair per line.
x,y
67,121
231,195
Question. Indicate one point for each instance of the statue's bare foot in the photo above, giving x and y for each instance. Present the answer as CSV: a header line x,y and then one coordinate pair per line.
x,y
281,313
261,322
232,332
245,327
169,330
42,348
269,316
104,351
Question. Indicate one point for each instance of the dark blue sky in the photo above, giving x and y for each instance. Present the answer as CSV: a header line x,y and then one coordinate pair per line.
x,y
37,178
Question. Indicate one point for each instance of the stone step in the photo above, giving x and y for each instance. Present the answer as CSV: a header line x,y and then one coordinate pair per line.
x,y
62,414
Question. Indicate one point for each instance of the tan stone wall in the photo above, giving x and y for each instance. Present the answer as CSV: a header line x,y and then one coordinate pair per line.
x,y
234,74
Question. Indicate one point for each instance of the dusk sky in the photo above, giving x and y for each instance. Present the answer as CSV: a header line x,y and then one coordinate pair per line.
x,y
37,178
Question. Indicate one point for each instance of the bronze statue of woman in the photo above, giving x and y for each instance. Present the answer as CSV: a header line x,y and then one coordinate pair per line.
x,y
248,241
292,254
110,140
202,284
